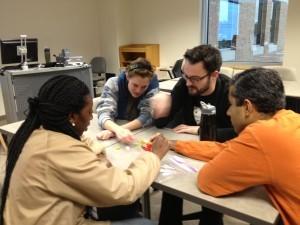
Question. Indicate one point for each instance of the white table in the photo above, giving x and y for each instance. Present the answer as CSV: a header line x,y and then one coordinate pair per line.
x,y
252,206
167,85
11,128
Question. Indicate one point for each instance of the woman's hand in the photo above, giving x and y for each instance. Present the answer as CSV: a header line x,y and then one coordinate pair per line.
x,y
125,135
105,134
182,128
160,145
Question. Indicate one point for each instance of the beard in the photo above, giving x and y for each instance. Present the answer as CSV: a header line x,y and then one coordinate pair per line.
x,y
194,91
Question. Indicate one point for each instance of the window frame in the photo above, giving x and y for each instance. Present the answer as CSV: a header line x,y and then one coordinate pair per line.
x,y
204,32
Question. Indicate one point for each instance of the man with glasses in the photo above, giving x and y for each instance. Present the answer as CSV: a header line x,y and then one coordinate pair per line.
x,y
201,81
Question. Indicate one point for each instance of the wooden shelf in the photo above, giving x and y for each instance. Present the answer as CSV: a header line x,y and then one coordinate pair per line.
x,y
128,53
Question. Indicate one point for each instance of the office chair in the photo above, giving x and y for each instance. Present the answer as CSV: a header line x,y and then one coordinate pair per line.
x,y
99,72
286,73
228,71
165,70
98,68
98,65
175,71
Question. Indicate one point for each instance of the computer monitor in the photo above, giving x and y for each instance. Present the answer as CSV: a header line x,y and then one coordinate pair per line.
x,y
9,50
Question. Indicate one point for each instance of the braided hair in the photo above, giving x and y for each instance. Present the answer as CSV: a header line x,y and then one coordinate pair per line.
x,y
57,98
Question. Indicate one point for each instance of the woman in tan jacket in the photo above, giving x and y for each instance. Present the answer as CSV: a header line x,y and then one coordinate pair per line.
x,y
52,174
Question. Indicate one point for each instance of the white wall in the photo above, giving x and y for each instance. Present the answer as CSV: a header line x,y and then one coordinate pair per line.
x,y
292,44
115,29
174,24
57,24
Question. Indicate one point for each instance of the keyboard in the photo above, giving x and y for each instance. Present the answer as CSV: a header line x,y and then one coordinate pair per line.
x,y
33,65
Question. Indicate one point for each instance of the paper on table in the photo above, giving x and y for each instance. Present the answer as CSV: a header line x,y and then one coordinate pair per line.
x,y
174,165
121,155
180,163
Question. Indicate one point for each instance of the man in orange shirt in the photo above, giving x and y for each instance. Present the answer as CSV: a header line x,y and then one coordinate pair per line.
x,y
266,151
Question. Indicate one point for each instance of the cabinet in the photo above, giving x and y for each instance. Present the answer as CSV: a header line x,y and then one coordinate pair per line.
x,y
127,53
18,85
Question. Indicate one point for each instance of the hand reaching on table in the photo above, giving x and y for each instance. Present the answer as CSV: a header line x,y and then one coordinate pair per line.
x,y
105,134
160,145
125,135
182,128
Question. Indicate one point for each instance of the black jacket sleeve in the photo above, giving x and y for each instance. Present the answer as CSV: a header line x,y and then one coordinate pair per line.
x,y
178,94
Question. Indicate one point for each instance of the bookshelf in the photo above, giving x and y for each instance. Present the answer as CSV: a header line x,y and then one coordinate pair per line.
x,y
130,52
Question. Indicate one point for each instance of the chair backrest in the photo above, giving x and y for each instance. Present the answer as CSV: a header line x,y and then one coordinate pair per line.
x,y
286,73
98,65
236,71
228,71
176,70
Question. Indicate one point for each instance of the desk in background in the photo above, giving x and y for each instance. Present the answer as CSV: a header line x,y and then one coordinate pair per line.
x,y
167,85
10,129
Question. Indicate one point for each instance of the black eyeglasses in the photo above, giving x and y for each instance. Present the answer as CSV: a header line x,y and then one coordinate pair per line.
x,y
193,79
